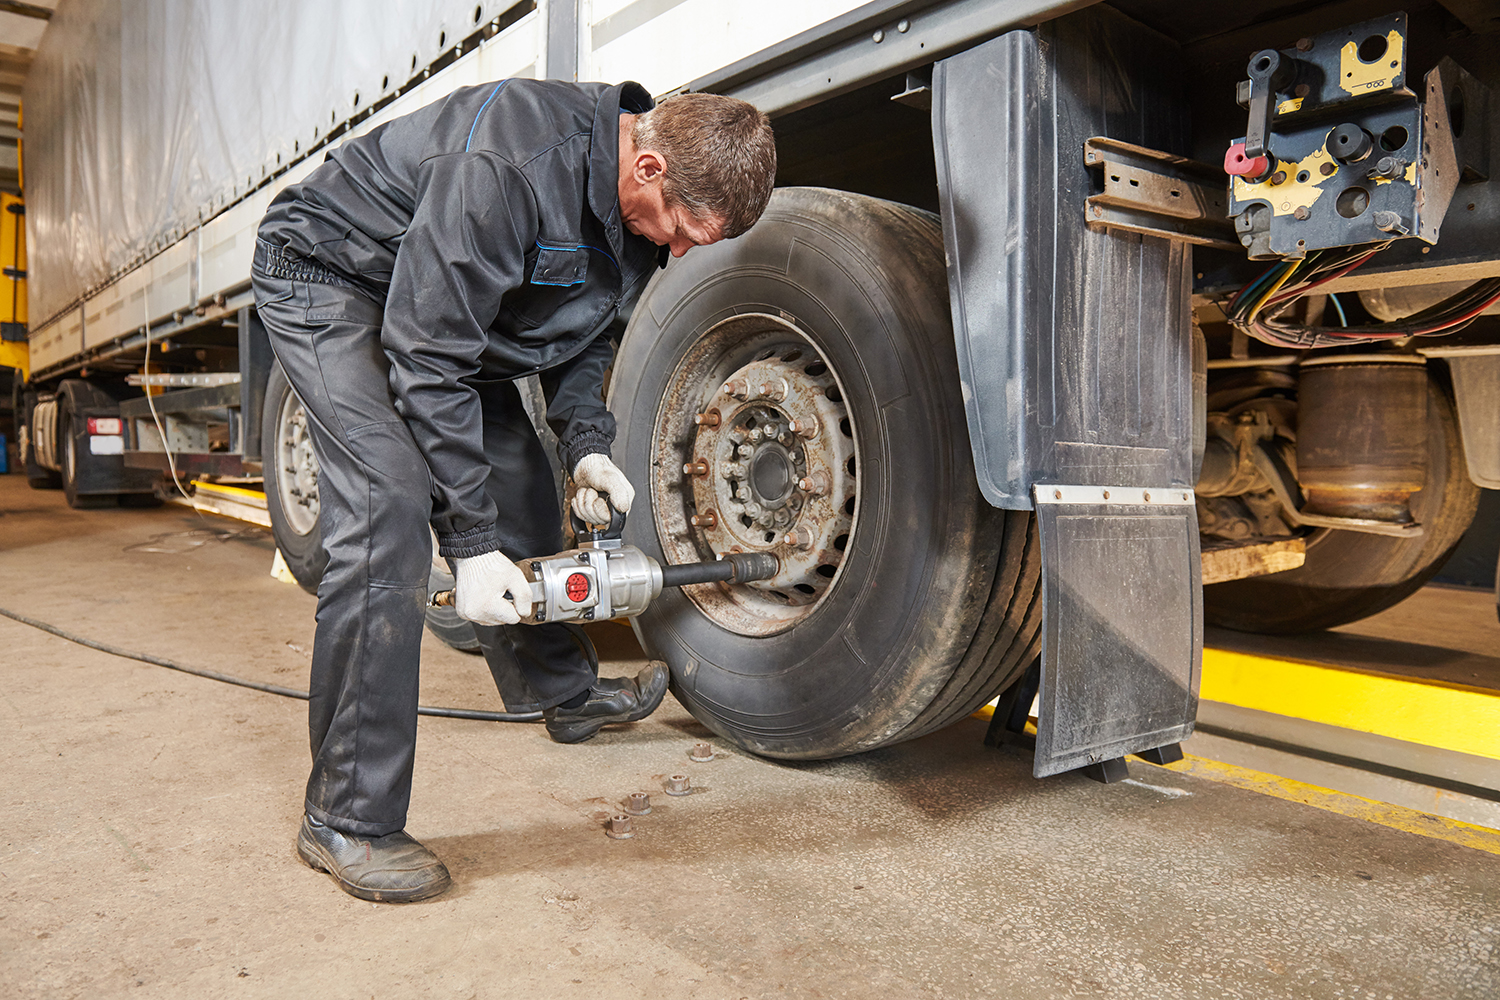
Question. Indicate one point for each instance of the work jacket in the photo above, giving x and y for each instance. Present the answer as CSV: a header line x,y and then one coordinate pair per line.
x,y
488,223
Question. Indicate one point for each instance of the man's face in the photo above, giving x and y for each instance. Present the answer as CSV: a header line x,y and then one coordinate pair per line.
x,y
645,211
670,225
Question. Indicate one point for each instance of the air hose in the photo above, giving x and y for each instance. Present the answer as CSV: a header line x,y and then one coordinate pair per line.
x,y
285,692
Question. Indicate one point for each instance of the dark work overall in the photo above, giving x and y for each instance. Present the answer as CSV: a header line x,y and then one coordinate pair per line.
x,y
405,284
374,493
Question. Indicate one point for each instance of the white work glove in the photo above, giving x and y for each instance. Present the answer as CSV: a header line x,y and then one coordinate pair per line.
x,y
594,475
479,594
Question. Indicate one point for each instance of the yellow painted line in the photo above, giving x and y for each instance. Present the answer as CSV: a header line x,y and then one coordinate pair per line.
x,y
237,491
1356,807
1431,713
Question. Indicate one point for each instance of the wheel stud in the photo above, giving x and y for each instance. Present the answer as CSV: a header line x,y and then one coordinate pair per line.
x,y
697,468
816,484
804,428
707,519
709,419
799,538
737,388
772,391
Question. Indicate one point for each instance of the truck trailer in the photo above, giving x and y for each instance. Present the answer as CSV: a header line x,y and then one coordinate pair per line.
x,y
1071,326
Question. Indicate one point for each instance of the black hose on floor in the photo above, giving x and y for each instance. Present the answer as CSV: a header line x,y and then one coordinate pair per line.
x,y
285,692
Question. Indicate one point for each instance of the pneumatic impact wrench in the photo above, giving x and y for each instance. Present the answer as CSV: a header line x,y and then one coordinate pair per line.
x,y
605,578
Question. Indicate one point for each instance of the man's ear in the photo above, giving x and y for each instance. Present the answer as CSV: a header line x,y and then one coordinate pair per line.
x,y
649,166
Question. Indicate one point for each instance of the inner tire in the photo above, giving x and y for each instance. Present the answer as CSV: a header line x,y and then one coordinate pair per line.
x,y
68,437
934,607
286,452
1351,575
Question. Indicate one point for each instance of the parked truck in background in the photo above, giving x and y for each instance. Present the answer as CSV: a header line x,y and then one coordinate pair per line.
x,y
1062,309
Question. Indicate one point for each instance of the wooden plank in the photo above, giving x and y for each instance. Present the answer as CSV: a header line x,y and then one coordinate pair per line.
x,y
1257,559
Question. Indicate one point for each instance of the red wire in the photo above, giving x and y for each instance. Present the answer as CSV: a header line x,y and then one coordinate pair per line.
x,y
1464,318
1304,289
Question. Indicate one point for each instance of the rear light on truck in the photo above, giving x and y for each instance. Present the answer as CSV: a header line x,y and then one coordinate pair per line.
x,y
106,425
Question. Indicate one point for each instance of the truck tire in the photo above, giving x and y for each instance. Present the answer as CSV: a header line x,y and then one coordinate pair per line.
x,y
289,469
290,474
69,436
1350,575
926,603
444,622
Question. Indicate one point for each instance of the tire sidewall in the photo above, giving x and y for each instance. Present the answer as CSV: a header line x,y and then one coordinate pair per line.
x,y
858,668
304,554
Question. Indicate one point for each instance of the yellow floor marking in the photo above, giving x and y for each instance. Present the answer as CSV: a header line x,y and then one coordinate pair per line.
x,y
1430,713
1354,806
227,490
1327,799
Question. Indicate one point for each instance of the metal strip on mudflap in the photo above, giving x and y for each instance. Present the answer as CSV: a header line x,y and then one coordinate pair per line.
x,y
1122,621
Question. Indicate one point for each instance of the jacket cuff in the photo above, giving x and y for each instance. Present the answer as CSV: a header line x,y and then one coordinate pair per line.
x,y
585,444
466,544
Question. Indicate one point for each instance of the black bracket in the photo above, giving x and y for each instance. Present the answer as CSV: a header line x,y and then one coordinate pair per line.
x,y
1008,724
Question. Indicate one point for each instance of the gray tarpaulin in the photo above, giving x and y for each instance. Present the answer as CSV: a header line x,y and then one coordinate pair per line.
x,y
144,117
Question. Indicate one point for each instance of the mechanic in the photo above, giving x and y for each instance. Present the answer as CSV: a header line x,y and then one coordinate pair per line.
x,y
405,284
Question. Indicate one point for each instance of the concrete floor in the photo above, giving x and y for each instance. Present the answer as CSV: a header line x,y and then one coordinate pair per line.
x,y
149,818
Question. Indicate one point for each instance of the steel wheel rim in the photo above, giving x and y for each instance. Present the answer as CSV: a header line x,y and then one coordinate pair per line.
x,y
754,449
296,466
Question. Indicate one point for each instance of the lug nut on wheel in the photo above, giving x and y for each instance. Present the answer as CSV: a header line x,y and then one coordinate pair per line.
x,y
816,484
804,428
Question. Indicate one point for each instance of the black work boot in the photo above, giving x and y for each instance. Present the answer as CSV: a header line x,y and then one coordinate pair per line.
x,y
613,699
390,869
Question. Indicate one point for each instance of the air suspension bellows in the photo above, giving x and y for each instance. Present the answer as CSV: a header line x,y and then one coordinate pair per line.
x,y
1362,435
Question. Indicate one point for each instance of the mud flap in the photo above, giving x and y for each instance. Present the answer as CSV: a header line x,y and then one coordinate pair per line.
x,y
1122,622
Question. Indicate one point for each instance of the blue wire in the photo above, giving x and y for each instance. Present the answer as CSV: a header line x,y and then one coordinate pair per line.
x,y
1339,308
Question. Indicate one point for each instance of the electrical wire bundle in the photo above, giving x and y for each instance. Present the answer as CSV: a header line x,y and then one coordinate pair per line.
x,y
1256,308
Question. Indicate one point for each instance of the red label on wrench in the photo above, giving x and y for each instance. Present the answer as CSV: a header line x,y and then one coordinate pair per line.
x,y
577,587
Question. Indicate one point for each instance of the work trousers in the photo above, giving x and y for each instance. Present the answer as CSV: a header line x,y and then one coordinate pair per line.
x,y
375,502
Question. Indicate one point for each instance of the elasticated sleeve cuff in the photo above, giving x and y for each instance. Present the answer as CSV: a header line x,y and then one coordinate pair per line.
x,y
465,544
584,444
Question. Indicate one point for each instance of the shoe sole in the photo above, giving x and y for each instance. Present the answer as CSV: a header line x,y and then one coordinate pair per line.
x,y
313,857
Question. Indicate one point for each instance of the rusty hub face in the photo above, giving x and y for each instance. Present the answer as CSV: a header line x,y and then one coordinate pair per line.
x,y
763,461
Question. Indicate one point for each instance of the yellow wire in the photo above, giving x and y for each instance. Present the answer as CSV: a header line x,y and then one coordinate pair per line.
x,y
1275,287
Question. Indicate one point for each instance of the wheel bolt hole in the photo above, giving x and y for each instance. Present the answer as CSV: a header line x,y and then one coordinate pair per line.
x,y
834,395
816,368
849,507
826,570
841,542
850,465
848,431
804,588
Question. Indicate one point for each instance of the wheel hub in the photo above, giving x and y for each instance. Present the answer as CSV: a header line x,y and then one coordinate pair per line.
x,y
298,467
773,471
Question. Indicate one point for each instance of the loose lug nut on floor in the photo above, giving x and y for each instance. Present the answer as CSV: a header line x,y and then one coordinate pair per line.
x,y
678,784
620,827
701,753
638,804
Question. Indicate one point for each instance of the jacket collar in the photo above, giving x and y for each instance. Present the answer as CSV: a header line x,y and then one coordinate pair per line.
x,y
604,155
